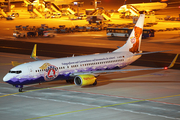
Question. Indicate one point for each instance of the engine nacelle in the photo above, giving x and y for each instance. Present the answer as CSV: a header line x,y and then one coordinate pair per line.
x,y
82,80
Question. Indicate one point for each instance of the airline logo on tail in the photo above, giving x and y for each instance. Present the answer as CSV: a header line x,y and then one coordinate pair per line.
x,y
135,40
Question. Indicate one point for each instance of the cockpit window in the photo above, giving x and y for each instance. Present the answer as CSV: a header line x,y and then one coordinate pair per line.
x,y
17,72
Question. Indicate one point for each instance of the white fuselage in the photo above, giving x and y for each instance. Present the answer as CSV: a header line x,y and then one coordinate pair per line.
x,y
62,68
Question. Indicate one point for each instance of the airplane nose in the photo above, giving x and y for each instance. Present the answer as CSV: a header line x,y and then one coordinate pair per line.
x,y
5,78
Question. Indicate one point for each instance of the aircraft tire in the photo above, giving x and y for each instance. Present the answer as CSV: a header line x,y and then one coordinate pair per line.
x,y
20,89
67,81
95,83
70,81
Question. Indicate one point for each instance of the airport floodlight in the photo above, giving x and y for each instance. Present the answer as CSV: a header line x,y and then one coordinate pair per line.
x,y
75,3
79,4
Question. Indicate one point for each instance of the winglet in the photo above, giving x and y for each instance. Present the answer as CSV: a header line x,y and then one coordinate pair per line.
x,y
33,54
173,62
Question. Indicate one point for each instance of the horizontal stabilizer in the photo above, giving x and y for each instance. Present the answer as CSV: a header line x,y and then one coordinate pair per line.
x,y
15,63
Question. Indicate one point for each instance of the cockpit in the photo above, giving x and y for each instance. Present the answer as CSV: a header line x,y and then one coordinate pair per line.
x,y
16,72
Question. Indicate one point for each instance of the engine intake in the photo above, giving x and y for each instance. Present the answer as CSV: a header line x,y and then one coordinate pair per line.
x,y
82,80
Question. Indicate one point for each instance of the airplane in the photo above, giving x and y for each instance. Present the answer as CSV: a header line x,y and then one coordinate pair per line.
x,y
82,70
143,6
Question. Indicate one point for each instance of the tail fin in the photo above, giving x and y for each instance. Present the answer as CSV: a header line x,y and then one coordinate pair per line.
x,y
134,41
33,54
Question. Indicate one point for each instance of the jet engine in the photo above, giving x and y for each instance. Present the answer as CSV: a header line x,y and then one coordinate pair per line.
x,y
82,80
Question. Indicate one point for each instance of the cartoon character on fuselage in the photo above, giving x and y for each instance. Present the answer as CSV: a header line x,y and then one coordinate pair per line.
x,y
80,69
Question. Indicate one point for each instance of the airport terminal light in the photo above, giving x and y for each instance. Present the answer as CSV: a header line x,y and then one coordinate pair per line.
x,y
79,4
75,3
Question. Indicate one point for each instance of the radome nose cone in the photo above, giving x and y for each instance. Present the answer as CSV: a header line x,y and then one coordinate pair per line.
x,y
5,78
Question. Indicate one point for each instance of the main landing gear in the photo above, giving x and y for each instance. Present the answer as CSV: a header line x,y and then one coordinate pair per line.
x,y
95,83
70,81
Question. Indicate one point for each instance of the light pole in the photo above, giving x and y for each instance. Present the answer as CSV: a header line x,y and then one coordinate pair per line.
x,y
95,4
9,6
79,4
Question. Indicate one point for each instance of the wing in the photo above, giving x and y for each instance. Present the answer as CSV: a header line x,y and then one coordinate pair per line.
x,y
152,52
96,73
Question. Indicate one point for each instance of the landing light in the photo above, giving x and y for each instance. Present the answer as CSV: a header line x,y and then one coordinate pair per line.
x,y
165,68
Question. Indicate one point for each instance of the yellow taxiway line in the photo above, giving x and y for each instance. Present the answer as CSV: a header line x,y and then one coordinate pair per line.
x,y
102,107
87,108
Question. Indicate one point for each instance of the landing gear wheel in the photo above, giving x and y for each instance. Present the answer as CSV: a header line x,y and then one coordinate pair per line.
x,y
70,81
95,83
20,89
67,81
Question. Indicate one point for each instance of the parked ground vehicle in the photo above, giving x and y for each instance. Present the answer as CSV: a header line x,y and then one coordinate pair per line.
x,y
49,33
18,33
125,32
10,18
81,29
15,15
98,19
31,34
56,15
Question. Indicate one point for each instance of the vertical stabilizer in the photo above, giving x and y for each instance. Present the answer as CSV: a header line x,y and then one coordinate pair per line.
x,y
33,54
134,41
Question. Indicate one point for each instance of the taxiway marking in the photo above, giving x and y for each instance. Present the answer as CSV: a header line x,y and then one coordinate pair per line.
x,y
102,107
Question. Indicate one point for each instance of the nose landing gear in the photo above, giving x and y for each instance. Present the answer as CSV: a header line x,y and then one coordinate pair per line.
x,y
20,87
